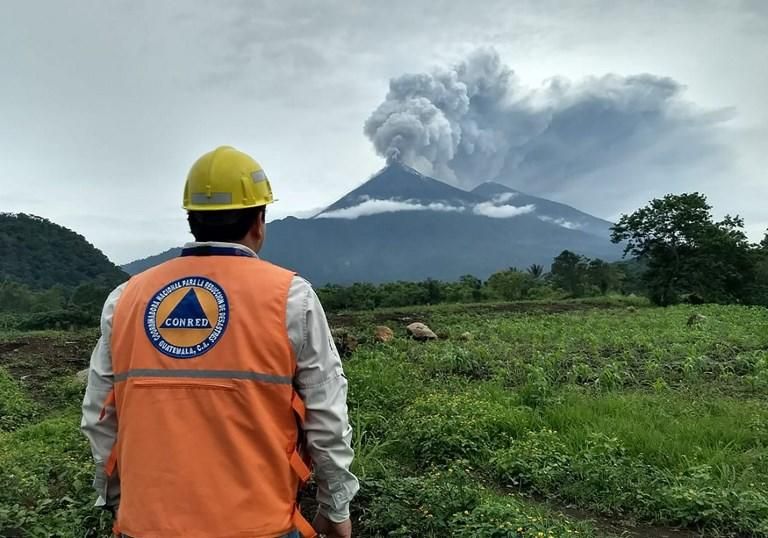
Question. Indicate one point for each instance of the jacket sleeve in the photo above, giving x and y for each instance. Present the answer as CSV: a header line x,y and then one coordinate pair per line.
x,y
321,383
102,432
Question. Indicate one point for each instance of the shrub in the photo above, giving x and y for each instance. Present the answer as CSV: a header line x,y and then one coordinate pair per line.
x,y
16,409
505,517
451,503
539,461
453,360
59,319
441,428
45,486
418,506
604,477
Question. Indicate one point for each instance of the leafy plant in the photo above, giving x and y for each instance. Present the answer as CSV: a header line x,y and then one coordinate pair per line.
x,y
16,409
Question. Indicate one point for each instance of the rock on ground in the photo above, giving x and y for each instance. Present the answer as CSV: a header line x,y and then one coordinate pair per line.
x,y
346,343
421,332
383,334
82,376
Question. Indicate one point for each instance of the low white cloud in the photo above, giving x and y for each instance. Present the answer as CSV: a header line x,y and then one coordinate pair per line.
x,y
374,207
490,209
561,222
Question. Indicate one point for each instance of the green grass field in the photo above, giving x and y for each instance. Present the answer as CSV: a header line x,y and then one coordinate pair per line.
x,y
548,419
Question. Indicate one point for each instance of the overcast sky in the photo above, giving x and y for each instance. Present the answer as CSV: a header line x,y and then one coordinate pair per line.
x,y
104,105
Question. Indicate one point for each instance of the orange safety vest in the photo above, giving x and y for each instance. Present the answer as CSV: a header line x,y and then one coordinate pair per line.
x,y
208,437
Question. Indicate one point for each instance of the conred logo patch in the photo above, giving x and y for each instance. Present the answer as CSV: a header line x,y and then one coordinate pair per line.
x,y
187,317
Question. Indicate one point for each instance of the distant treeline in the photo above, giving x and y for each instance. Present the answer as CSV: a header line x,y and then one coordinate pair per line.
x,y
58,307
571,276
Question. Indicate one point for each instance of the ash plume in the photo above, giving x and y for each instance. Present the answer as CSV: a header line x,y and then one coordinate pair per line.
x,y
476,122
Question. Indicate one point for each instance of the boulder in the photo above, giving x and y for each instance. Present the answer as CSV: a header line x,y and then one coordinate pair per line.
x,y
421,332
383,334
346,342
466,337
82,376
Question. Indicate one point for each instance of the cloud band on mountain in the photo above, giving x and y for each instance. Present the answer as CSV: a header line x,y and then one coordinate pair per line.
x,y
489,209
369,207
374,207
476,122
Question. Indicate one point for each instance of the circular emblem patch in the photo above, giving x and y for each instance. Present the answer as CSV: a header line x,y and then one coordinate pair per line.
x,y
187,317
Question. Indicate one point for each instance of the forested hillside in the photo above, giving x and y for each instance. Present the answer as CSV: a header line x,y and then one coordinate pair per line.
x,y
40,254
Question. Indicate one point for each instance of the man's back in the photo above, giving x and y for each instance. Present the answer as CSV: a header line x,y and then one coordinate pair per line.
x,y
187,365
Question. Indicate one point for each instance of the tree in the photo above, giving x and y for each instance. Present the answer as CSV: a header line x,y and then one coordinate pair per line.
x,y
14,297
434,291
759,291
332,297
536,271
473,287
53,299
362,296
511,285
569,272
602,276
686,252
630,279
89,297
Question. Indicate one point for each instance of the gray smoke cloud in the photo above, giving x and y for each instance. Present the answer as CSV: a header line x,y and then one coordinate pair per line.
x,y
476,122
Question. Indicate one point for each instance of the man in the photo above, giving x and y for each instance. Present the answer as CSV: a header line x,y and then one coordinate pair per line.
x,y
214,378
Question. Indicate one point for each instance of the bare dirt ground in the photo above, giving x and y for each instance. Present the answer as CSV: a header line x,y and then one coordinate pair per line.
x,y
36,360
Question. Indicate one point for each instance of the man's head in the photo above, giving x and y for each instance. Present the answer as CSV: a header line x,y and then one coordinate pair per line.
x,y
245,226
226,197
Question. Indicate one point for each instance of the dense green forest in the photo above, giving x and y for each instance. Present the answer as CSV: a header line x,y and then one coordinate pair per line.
x,y
40,254
50,277
58,307
572,276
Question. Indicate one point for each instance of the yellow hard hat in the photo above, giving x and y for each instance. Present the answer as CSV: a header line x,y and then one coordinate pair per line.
x,y
226,178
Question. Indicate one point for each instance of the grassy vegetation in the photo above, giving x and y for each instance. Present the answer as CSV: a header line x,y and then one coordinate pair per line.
x,y
626,413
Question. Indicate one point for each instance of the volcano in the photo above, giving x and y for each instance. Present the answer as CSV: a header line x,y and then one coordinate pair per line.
x,y
403,225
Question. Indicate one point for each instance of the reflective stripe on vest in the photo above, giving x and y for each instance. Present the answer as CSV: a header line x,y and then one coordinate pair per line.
x,y
208,440
149,373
